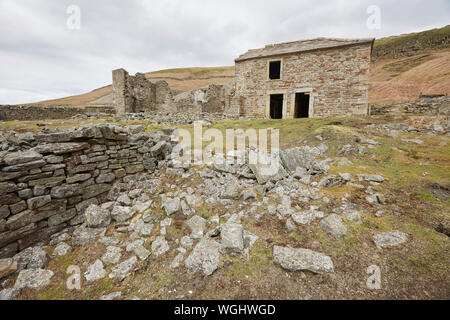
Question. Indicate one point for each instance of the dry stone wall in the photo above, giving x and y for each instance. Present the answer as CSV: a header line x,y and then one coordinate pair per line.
x,y
48,184
426,106
30,113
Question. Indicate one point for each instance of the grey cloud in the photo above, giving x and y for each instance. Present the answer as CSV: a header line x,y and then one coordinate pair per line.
x,y
42,59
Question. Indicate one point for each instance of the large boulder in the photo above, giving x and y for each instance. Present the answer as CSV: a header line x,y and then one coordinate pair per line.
x,y
302,259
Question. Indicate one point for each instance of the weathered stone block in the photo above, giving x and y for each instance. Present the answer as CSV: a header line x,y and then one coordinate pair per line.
x,y
21,157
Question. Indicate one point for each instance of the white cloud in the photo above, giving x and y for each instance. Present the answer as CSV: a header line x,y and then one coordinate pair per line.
x,y
42,59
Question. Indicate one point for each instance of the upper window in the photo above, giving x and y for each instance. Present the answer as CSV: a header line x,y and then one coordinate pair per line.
x,y
275,70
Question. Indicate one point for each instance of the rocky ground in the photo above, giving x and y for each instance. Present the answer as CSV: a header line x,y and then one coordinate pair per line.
x,y
352,193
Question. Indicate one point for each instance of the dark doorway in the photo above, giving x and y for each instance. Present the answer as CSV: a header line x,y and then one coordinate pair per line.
x,y
301,105
274,70
276,106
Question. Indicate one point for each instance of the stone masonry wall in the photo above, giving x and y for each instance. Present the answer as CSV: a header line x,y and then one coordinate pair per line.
x,y
338,78
48,185
30,113
133,94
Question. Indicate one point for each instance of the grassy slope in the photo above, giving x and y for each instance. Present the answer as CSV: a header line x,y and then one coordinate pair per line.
x,y
417,269
395,75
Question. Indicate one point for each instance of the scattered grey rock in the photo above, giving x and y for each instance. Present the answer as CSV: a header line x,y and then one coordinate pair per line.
x,y
379,213
109,241
95,272
249,238
232,237
32,258
96,217
372,199
111,296
331,181
177,261
112,255
303,175
160,246
62,249
308,216
290,225
33,278
249,194
123,200
122,214
416,141
141,252
171,206
371,178
197,225
333,224
186,242
9,294
389,239
344,162
82,236
302,259
352,216
123,269
231,191
204,257
142,228
166,223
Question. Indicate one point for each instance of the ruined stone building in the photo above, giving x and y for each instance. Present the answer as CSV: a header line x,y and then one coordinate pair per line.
x,y
311,78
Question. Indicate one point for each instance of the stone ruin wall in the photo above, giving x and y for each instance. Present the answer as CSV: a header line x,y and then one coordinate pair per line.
x,y
133,94
33,113
48,186
433,106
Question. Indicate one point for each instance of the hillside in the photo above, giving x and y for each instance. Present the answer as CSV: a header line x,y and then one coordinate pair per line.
x,y
183,79
403,67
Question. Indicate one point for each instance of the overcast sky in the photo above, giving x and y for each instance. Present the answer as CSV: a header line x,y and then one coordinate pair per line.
x,y
41,58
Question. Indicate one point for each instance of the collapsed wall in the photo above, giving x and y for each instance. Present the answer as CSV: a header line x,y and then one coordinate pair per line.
x,y
432,106
213,99
133,94
48,184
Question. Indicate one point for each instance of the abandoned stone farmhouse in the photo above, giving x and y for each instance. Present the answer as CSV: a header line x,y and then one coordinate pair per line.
x,y
321,77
